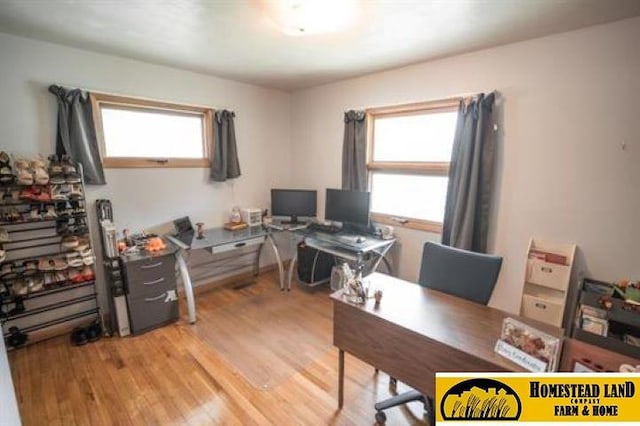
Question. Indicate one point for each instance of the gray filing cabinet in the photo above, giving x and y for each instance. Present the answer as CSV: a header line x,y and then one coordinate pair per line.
x,y
150,281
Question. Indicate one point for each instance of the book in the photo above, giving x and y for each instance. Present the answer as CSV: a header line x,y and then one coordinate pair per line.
x,y
235,226
548,257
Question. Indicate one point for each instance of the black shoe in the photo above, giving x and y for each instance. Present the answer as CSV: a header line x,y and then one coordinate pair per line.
x,y
19,308
79,336
94,332
16,337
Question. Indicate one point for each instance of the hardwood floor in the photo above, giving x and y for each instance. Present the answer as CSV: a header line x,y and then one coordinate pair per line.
x,y
180,374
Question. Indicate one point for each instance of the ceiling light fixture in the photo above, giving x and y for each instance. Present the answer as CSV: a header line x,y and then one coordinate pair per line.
x,y
307,17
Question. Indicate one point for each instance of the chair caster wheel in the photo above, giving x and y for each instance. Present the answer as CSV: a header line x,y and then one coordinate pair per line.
x,y
381,417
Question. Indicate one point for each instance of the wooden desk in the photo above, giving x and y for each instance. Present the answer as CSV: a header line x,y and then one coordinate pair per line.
x,y
416,332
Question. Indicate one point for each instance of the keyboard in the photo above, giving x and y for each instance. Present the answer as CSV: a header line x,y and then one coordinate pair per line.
x,y
327,229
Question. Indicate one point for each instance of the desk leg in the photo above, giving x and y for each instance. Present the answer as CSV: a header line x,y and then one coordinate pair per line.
x,y
292,264
278,261
340,378
188,288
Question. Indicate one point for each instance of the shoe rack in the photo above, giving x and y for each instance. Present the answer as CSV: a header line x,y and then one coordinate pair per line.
x,y
47,277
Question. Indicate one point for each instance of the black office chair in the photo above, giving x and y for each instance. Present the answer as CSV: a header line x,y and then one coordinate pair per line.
x,y
461,273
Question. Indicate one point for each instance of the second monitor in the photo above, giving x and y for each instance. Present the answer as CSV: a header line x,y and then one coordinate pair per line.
x,y
293,203
348,207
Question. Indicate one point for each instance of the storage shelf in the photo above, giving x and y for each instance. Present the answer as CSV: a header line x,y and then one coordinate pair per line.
x,y
46,308
56,322
44,220
32,202
609,342
56,288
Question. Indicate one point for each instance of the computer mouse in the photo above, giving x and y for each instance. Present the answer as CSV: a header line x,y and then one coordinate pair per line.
x,y
360,240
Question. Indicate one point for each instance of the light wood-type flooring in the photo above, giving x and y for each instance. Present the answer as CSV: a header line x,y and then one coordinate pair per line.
x,y
180,374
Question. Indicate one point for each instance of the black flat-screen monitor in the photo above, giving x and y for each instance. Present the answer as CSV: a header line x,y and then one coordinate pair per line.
x,y
350,207
293,203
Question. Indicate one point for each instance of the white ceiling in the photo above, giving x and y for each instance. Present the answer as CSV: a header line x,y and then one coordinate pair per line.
x,y
237,40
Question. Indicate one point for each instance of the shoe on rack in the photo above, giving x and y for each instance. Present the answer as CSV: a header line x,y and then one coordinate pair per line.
x,y
74,259
60,264
38,163
29,267
79,336
57,193
76,191
46,264
21,164
3,255
8,271
70,242
5,159
4,236
50,212
18,307
19,288
94,331
16,337
59,277
41,177
24,177
88,274
34,284
49,280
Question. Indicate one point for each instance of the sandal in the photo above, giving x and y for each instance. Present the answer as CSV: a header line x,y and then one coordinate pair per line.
x,y
34,284
48,279
70,242
57,193
75,276
50,213
21,164
88,274
8,271
20,288
60,277
41,176
38,163
30,267
25,177
59,264
83,244
76,191
46,264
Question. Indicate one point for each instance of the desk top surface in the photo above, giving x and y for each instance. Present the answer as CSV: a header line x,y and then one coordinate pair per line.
x,y
219,236
458,323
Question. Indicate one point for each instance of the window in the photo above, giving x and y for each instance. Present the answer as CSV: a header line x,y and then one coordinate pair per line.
x,y
142,133
408,161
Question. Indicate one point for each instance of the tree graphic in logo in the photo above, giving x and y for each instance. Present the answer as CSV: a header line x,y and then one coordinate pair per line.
x,y
480,399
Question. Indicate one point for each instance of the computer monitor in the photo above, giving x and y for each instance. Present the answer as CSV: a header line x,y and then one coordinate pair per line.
x,y
293,203
351,207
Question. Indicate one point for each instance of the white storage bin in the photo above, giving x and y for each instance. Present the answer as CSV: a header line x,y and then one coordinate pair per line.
x,y
548,274
541,309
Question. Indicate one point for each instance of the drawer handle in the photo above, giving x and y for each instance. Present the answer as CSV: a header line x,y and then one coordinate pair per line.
x,y
240,245
153,265
541,306
546,269
153,299
154,282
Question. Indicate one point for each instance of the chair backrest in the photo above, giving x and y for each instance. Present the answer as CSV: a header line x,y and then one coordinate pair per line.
x,y
461,273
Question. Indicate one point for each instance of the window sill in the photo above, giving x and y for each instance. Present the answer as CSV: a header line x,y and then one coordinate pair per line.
x,y
408,223
132,163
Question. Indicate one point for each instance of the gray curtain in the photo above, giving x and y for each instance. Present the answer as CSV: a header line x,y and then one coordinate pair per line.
x,y
225,164
466,218
76,135
354,151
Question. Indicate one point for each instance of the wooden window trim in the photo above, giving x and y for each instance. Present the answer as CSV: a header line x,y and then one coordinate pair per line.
x,y
423,168
140,104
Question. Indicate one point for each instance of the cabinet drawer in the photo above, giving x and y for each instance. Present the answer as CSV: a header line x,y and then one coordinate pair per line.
x,y
548,274
151,272
146,313
234,246
541,309
145,288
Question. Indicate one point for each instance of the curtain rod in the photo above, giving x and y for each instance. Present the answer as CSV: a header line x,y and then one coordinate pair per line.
x,y
434,103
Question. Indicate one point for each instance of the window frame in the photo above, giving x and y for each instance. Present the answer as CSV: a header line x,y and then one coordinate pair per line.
x,y
98,100
427,168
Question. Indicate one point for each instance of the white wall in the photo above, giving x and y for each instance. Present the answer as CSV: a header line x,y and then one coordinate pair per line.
x,y
567,104
144,197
